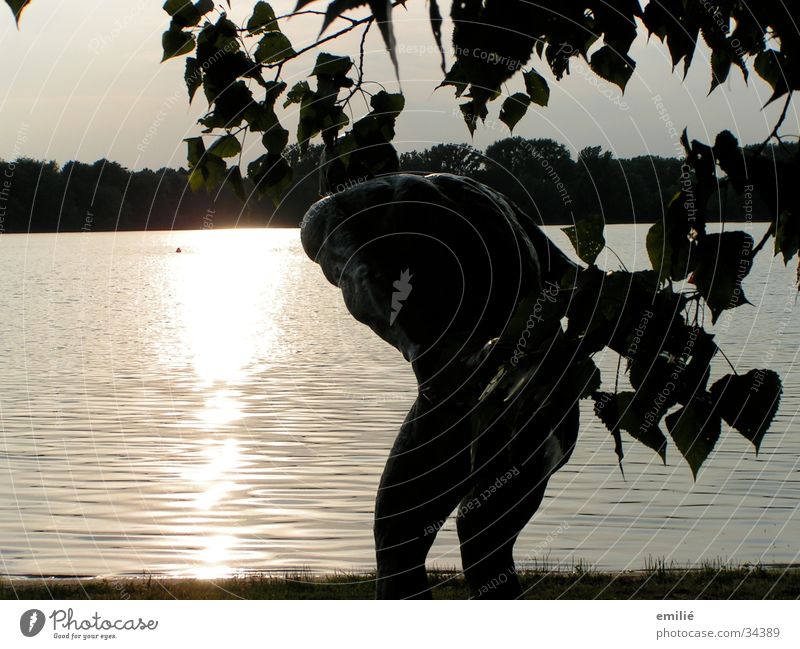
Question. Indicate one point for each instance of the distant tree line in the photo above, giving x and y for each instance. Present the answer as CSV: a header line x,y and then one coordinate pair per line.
x,y
538,174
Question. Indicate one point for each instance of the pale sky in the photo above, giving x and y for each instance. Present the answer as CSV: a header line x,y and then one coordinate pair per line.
x,y
82,80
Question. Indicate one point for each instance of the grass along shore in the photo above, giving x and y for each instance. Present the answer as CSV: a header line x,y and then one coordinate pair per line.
x,y
658,582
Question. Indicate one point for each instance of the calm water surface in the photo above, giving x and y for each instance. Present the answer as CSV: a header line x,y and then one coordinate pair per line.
x,y
219,410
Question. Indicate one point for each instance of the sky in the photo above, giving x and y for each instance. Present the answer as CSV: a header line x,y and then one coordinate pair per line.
x,y
83,81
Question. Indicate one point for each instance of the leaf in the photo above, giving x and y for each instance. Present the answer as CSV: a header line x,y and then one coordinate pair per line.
x,y
260,117
175,43
381,10
668,245
537,88
387,104
263,19
193,76
655,18
235,180
472,111
196,149
231,105
748,403
609,415
273,90
436,27
275,139
297,93
613,66
618,412
273,48
514,109
587,237
214,171
771,66
787,236
695,429
186,14
227,146
196,179
207,170
724,260
271,175
456,77
17,6
721,61
331,65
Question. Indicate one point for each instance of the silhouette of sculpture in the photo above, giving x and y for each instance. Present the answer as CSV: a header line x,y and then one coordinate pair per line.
x,y
436,266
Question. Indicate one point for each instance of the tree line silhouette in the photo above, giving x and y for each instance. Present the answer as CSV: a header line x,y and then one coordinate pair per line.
x,y
539,174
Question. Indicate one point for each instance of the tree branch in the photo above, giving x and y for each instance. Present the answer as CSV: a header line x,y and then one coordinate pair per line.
x,y
778,125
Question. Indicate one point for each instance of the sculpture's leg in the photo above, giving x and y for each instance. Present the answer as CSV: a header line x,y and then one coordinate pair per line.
x,y
424,478
489,521
508,491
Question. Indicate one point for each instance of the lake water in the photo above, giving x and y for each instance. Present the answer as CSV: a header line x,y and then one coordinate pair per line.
x,y
219,410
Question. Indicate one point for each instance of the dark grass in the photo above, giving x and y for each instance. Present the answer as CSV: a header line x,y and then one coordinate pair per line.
x,y
745,582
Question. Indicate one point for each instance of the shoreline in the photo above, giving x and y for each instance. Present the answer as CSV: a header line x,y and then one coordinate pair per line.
x,y
558,223
777,581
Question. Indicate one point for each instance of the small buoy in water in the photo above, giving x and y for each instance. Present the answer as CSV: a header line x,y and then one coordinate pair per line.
x,y
178,249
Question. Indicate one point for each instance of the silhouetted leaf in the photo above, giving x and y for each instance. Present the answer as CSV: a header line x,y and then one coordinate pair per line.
x,y
457,78
386,103
721,60
235,181
612,66
618,412
263,19
185,13
606,409
207,169
514,109
226,147
214,171
273,48
587,237
724,260
196,149
175,43
695,429
772,67
275,139
381,11
472,111
537,88
331,65
271,175
436,27
297,93
669,247
748,403
231,104
787,236
193,77
17,6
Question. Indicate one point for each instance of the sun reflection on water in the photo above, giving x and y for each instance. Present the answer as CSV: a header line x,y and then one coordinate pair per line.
x,y
212,558
221,408
222,280
219,279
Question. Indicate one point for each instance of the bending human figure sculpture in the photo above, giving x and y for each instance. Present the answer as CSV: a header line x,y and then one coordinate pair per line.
x,y
437,266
